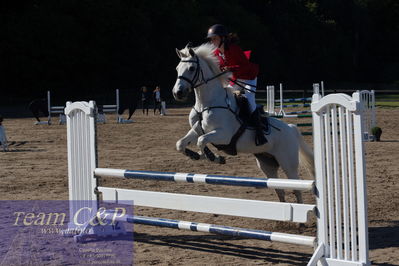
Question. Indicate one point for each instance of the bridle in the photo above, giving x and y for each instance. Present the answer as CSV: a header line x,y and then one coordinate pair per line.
x,y
195,83
199,74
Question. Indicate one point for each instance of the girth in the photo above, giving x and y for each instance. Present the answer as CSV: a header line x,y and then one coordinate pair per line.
x,y
231,148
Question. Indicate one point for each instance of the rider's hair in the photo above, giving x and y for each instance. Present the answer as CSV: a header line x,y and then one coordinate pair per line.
x,y
231,38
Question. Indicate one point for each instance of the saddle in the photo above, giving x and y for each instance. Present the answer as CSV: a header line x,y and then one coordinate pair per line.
x,y
247,120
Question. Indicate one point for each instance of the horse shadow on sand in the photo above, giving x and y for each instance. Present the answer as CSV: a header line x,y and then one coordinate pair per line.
x,y
389,140
19,146
384,236
216,244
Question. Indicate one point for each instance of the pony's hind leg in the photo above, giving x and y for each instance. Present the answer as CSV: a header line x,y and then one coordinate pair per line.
x,y
290,168
213,157
298,195
269,166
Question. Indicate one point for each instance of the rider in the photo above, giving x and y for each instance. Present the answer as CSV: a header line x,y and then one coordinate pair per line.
x,y
244,73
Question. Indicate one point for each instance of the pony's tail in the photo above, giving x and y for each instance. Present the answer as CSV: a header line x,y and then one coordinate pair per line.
x,y
306,157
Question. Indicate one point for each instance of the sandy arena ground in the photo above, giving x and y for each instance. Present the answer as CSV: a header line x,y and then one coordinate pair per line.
x,y
36,169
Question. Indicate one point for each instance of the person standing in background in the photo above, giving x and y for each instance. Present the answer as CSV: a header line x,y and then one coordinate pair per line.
x,y
3,138
157,99
145,99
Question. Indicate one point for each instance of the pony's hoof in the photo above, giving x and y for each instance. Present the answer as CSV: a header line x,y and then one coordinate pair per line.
x,y
222,160
209,154
192,154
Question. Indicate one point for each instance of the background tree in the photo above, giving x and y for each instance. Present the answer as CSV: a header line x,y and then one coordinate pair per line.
x,y
85,47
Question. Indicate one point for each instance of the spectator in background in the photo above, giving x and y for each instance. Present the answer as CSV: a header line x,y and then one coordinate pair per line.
x,y
145,99
157,99
3,138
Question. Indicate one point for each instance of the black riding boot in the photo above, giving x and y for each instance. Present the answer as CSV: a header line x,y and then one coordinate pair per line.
x,y
260,138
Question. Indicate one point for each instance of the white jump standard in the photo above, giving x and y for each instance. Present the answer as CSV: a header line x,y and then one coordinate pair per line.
x,y
339,188
271,103
369,118
293,114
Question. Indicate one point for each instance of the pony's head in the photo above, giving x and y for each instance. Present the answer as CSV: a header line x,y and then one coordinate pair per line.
x,y
196,67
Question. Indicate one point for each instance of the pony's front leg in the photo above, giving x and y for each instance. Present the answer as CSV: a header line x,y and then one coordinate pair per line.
x,y
212,137
181,145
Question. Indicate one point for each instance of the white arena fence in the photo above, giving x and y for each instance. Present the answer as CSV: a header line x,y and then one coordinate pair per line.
x,y
339,188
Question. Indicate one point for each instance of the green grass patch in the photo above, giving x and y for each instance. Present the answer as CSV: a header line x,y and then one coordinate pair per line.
x,y
386,100
386,97
387,103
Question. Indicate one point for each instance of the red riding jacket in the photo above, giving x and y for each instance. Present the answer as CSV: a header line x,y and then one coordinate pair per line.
x,y
235,59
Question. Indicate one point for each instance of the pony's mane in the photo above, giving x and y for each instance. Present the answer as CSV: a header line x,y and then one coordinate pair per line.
x,y
206,52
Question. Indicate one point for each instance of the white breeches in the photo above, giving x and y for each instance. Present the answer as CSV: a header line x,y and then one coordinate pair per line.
x,y
250,92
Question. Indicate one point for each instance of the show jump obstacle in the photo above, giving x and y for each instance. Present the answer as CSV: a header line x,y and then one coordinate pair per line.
x,y
55,110
367,99
286,104
339,188
112,108
59,110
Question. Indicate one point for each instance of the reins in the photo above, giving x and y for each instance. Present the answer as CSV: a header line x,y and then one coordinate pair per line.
x,y
244,83
195,84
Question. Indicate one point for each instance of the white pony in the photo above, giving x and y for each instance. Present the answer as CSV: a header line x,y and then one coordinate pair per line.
x,y
214,120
